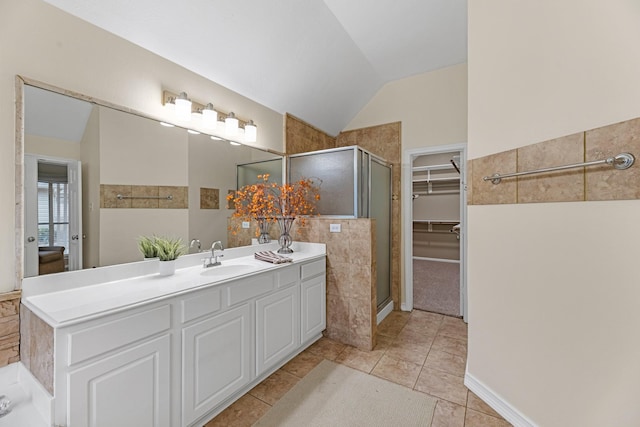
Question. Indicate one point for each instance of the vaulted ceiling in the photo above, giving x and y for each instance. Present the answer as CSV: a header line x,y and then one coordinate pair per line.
x,y
320,60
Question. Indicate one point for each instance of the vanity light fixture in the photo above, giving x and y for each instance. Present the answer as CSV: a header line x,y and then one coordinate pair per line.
x,y
250,132
215,138
209,116
193,132
234,143
183,106
169,125
231,124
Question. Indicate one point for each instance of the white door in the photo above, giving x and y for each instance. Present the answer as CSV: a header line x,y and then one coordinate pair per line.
x,y
313,307
74,175
129,389
216,361
30,216
277,327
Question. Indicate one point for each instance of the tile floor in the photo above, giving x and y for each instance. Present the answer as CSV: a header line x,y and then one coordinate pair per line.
x,y
420,350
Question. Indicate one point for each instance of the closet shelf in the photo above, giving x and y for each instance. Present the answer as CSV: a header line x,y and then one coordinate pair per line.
x,y
444,179
433,167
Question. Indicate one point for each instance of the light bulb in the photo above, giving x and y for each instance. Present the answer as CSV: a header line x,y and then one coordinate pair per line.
x,y
209,117
250,132
231,124
183,107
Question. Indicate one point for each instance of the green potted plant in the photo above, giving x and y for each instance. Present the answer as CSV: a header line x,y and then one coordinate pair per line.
x,y
147,246
168,251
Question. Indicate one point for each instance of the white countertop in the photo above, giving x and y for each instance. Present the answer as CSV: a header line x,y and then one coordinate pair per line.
x,y
67,298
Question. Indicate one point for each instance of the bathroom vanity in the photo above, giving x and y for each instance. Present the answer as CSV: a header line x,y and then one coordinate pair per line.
x,y
131,348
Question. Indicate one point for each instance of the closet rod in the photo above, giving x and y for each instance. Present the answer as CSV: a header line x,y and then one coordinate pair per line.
x,y
621,161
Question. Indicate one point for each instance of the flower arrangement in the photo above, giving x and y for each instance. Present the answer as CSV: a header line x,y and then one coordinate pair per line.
x,y
270,201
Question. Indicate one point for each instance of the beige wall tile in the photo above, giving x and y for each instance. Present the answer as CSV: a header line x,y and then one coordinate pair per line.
x,y
180,197
561,186
209,198
301,137
144,191
108,196
469,180
360,325
607,183
486,193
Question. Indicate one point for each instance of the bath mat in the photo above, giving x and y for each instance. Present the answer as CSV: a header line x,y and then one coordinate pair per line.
x,y
336,395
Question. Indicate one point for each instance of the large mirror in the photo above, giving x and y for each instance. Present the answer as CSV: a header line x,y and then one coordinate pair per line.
x,y
96,178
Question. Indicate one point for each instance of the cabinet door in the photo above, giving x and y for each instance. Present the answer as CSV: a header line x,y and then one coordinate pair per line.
x,y
313,307
130,388
277,327
216,361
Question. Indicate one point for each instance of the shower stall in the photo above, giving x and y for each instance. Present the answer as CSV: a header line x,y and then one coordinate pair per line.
x,y
355,184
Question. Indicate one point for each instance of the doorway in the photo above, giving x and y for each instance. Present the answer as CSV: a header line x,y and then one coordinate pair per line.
x,y
53,216
435,229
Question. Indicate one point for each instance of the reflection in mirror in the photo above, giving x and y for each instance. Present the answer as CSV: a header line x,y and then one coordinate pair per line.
x,y
97,178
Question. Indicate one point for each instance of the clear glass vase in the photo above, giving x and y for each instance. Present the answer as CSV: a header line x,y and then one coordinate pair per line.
x,y
263,226
285,240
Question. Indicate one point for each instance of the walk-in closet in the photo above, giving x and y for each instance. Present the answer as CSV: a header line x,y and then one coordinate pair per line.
x,y
436,227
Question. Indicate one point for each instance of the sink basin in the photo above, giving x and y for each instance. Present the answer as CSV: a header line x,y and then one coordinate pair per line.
x,y
227,270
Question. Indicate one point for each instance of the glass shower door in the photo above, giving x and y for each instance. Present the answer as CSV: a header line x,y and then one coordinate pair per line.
x,y
380,209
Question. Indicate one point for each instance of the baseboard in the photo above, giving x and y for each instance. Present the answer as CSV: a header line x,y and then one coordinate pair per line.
x,y
384,312
492,399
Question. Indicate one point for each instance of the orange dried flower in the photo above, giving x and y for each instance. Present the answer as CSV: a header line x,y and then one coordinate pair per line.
x,y
269,200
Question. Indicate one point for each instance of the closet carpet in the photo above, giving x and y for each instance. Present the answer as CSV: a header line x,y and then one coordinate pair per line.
x,y
436,286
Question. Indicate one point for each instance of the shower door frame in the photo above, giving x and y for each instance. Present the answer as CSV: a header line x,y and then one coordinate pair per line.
x,y
408,156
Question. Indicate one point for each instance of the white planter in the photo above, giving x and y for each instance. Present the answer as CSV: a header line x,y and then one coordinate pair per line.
x,y
167,268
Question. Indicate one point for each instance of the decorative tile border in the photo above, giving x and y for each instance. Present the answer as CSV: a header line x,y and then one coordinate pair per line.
x,y
109,199
582,184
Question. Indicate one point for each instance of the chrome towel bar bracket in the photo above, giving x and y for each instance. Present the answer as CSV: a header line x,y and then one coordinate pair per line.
x,y
621,161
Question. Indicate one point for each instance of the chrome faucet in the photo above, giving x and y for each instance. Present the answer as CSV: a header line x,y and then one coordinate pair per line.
x,y
195,243
214,260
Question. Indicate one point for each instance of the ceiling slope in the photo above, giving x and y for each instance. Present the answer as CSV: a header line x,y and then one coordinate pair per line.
x,y
319,60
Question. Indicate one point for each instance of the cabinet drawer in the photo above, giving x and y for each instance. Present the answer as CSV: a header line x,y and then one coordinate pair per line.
x,y
246,289
313,268
90,342
207,302
288,276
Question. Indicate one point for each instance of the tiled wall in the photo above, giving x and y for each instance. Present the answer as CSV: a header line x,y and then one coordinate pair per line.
x,y
583,184
385,141
351,278
36,347
109,199
9,328
301,137
346,304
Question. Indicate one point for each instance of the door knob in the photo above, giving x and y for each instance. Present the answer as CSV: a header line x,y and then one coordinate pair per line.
x,y
31,239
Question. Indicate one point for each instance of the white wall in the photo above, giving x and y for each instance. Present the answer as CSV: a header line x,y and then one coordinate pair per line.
x,y
553,289
41,42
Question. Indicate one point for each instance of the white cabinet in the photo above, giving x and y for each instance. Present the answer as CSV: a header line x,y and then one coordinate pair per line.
x,y
313,307
277,327
216,361
313,300
128,388
182,359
